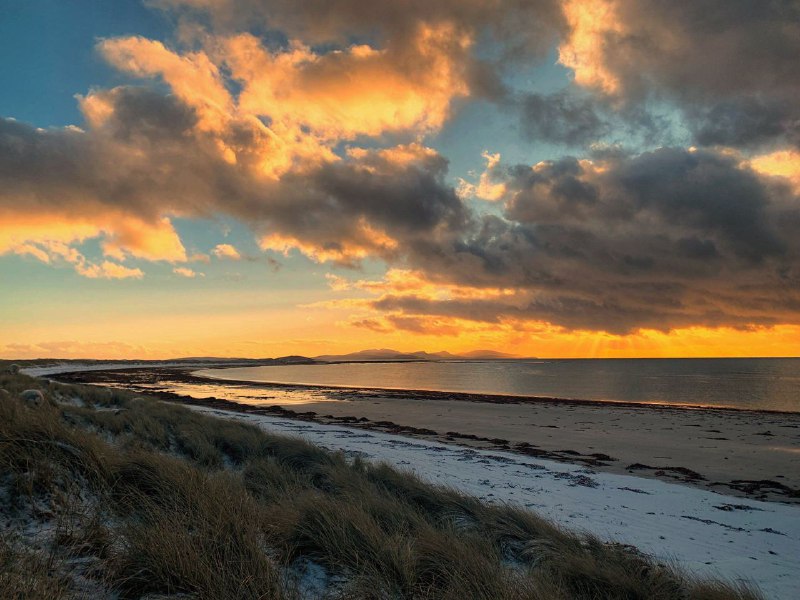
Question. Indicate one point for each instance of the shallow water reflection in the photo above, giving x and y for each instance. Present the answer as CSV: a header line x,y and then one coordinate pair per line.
x,y
771,384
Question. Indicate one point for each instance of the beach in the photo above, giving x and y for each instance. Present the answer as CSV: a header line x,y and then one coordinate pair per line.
x,y
711,490
708,448
753,454
707,533
242,469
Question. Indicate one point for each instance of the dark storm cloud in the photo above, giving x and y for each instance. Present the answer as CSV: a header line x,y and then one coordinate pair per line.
x,y
147,114
730,65
513,29
665,239
573,312
748,122
730,46
143,160
329,206
529,25
561,118
701,192
707,193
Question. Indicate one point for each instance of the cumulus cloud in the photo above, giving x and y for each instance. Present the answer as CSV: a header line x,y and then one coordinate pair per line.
x,y
527,27
486,188
729,65
51,251
187,272
375,204
665,239
64,186
359,90
317,142
108,270
226,251
562,118
249,130
145,158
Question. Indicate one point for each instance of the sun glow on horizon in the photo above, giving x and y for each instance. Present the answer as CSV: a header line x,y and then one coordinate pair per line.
x,y
269,334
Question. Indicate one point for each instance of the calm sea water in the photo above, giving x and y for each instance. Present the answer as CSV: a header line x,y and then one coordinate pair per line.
x,y
762,383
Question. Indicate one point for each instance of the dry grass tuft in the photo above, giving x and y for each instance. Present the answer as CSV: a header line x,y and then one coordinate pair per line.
x,y
27,575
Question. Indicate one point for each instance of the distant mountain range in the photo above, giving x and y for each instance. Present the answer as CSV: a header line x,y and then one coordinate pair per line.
x,y
374,355
386,354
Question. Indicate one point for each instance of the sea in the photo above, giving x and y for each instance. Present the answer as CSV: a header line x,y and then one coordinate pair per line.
x,y
743,383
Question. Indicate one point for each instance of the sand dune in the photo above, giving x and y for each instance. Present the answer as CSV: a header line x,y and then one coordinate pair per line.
x,y
707,532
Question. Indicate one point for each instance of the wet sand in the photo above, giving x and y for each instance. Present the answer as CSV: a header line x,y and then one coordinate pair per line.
x,y
748,453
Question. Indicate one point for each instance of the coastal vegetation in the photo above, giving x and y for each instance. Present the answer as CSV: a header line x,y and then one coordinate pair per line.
x,y
109,494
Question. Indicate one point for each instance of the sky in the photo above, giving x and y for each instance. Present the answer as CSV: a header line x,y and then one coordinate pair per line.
x,y
552,178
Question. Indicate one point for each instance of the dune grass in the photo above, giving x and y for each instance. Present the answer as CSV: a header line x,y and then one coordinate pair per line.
x,y
106,494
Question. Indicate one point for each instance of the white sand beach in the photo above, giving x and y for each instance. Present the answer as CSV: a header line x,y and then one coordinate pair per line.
x,y
710,533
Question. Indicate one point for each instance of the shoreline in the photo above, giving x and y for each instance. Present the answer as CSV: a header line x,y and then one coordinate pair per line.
x,y
188,371
668,447
480,396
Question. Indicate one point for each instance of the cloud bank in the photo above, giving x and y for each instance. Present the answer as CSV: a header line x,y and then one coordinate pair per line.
x,y
310,127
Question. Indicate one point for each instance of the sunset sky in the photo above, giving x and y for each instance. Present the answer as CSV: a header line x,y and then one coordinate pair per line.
x,y
558,178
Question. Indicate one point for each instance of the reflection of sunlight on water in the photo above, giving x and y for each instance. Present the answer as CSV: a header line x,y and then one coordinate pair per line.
x,y
789,449
760,384
243,394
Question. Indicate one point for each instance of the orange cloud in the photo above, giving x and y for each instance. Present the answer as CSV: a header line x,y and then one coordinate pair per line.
x,y
238,137
297,103
31,250
781,163
366,241
590,22
336,283
108,270
150,241
226,251
186,272
193,77
409,282
401,155
356,91
486,188
49,236
25,230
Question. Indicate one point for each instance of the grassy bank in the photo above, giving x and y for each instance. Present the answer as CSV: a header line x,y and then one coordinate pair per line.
x,y
105,494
